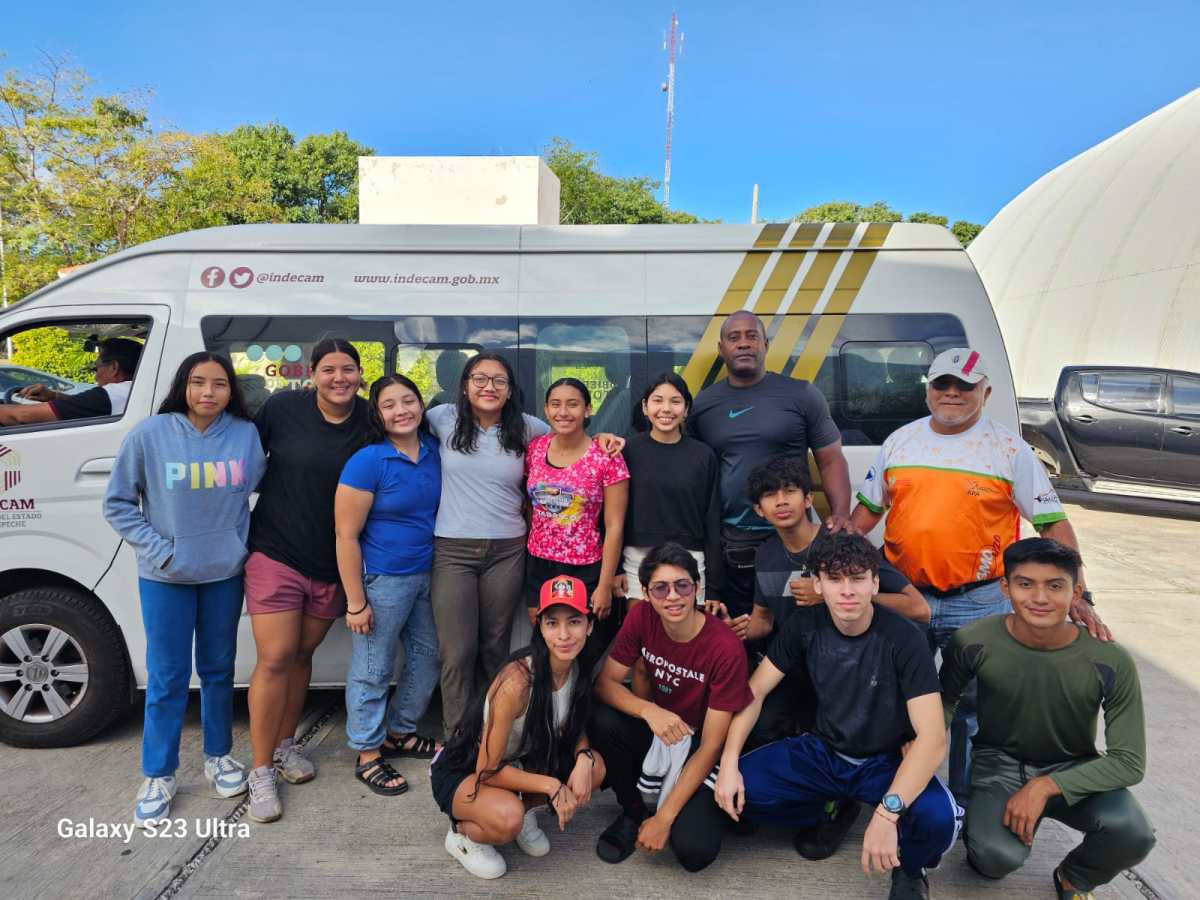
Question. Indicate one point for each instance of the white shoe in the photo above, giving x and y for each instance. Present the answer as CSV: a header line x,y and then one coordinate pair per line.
x,y
480,860
154,800
225,775
532,839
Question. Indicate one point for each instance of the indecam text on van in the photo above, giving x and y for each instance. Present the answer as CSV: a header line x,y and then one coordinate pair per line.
x,y
452,280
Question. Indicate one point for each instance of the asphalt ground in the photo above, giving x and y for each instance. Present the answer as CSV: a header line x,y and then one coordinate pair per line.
x,y
338,840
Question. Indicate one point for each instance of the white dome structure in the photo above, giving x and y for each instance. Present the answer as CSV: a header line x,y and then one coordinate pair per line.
x,y
1098,261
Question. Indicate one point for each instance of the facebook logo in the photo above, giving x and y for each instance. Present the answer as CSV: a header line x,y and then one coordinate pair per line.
x,y
213,276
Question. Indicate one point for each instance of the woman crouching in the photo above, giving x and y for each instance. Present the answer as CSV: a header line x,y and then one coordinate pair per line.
x,y
523,745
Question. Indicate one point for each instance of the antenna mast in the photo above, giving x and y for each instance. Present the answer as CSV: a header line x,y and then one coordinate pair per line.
x,y
672,40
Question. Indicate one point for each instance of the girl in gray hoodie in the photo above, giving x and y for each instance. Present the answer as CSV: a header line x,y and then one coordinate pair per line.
x,y
179,496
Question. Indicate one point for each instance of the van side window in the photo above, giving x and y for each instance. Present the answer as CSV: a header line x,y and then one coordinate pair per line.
x,y
606,354
69,371
432,350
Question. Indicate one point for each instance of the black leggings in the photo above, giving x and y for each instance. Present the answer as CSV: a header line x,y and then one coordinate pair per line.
x,y
624,741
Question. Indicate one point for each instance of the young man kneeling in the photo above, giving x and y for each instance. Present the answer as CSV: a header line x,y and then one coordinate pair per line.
x,y
697,672
878,737
1042,682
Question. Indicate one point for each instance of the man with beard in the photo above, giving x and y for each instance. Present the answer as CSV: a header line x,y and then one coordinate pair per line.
x,y
748,418
955,486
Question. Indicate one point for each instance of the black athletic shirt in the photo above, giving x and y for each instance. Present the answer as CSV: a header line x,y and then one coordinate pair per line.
x,y
748,426
293,519
673,496
773,569
862,683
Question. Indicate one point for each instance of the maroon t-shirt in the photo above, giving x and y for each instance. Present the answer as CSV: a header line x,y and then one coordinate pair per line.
x,y
708,672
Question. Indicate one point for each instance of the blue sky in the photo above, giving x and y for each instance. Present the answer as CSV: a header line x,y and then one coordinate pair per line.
x,y
948,107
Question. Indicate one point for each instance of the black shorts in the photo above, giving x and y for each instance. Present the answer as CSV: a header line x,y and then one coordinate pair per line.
x,y
445,779
538,571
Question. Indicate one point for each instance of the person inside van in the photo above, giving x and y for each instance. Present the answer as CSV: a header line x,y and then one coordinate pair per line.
x,y
748,418
116,363
293,593
179,495
522,745
673,490
383,513
955,486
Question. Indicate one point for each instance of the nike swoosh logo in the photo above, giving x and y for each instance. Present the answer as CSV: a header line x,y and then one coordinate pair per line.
x,y
734,413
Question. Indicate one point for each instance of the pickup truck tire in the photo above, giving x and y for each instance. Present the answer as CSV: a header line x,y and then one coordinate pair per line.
x,y
64,672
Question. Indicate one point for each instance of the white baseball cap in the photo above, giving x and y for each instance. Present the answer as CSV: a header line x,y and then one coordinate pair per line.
x,y
961,362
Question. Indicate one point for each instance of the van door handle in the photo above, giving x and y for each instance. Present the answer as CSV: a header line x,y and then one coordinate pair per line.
x,y
103,466
1084,418
1180,429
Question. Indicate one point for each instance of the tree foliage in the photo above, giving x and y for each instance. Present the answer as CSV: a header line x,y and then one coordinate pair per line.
x,y
589,197
53,350
879,211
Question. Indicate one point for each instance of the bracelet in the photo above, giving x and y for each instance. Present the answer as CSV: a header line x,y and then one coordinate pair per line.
x,y
357,611
550,802
880,813
586,751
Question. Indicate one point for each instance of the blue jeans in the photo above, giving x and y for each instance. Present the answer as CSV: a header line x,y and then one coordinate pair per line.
x,y
946,616
403,612
172,614
790,781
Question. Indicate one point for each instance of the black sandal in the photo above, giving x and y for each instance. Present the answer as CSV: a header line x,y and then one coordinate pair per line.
x,y
1073,894
421,748
618,840
378,780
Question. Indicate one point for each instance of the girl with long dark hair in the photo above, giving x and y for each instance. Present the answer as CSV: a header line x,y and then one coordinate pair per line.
x,y
384,512
479,544
293,594
571,483
673,493
522,744
179,496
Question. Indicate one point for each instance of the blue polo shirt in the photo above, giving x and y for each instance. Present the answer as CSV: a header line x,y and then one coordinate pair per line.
x,y
397,538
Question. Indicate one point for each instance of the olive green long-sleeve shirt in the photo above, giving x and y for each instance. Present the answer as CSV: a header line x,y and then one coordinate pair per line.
x,y
1042,706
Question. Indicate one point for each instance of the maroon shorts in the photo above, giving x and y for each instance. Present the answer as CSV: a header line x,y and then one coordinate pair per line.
x,y
273,587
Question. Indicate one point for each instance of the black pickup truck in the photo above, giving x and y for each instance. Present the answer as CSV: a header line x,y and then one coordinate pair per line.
x,y
1120,430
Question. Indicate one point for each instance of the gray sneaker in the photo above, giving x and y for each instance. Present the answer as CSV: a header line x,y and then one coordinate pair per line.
x,y
264,797
293,766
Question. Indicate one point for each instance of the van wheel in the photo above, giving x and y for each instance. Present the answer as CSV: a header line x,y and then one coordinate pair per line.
x,y
64,675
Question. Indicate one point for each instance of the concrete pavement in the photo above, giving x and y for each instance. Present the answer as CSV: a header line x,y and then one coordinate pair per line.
x,y
337,839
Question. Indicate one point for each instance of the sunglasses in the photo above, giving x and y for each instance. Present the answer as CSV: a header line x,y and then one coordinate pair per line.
x,y
661,590
945,382
499,382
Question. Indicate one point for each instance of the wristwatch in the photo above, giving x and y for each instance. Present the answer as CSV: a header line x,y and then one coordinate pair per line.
x,y
894,804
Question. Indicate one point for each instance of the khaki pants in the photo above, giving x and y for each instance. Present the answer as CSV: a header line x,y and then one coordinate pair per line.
x,y
477,586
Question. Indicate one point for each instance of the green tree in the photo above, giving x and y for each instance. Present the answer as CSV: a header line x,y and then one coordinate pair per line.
x,y
966,231
53,350
848,211
589,197
928,218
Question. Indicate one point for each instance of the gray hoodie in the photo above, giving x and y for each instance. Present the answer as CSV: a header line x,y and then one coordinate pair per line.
x,y
181,498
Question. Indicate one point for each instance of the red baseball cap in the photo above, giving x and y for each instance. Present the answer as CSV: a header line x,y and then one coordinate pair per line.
x,y
567,590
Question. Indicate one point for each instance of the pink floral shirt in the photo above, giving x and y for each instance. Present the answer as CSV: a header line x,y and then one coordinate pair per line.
x,y
565,526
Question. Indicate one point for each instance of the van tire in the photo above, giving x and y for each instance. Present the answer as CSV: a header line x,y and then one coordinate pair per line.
x,y
88,624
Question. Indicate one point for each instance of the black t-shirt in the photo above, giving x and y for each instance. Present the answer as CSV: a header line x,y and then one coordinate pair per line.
x,y
84,405
775,566
862,683
673,497
293,519
748,426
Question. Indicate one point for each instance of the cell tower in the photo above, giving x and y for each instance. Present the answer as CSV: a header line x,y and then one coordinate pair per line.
x,y
672,42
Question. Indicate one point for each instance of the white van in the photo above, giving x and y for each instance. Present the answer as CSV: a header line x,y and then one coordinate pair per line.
x,y
860,310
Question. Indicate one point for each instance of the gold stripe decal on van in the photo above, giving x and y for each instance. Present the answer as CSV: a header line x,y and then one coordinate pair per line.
x,y
806,235
796,320
704,355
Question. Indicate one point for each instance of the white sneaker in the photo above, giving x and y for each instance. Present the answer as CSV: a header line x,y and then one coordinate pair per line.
x,y
292,765
532,839
154,800
480,860
225,775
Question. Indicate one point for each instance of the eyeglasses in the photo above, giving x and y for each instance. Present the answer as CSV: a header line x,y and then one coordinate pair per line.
x,y
661,590
499,382
945,382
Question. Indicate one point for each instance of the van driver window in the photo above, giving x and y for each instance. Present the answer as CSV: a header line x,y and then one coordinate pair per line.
x,y
69,371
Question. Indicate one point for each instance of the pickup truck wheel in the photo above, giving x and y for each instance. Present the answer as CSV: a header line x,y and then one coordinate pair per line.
x,y
64,676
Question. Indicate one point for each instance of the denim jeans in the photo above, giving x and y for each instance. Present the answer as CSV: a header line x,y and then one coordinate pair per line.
x,y
402,612
946,616
173,615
